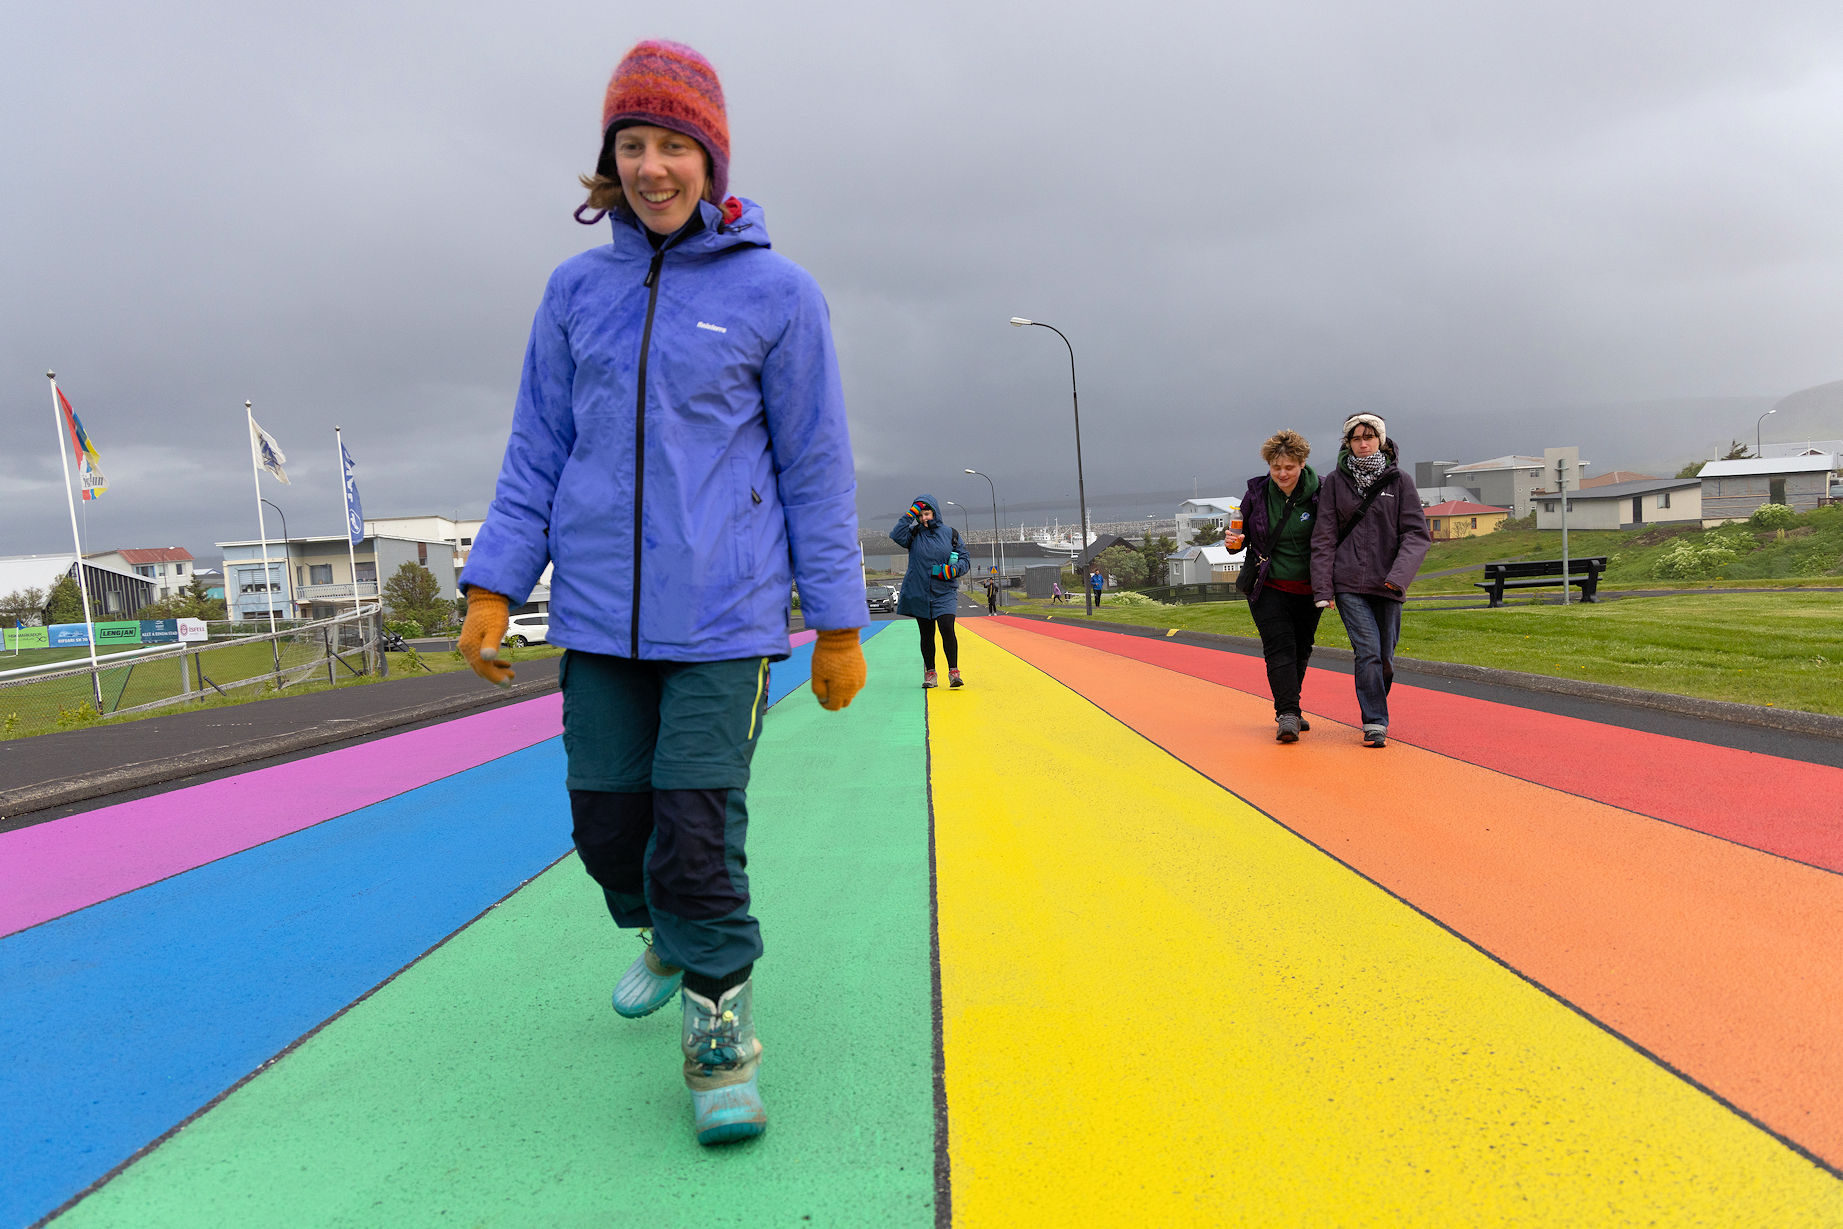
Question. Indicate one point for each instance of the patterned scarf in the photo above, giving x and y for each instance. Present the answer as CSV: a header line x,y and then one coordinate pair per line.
x,y
1365,470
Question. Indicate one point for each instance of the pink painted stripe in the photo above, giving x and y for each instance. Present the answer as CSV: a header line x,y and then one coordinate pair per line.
x,y
53,868
796,639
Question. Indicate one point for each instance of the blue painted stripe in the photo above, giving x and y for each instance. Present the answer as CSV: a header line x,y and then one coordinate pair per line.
x,y
124,1018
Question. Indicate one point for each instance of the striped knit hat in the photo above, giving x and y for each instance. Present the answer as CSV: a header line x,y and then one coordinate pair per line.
x,y
671,86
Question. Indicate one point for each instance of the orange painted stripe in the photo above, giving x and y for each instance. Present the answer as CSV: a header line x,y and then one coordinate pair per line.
x,y
1719,959
1787,807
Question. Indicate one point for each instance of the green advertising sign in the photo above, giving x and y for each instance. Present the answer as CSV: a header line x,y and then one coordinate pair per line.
x,y
118,633
27,638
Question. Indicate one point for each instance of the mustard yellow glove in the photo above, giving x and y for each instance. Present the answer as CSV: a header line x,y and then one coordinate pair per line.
x,y
838,668
481,632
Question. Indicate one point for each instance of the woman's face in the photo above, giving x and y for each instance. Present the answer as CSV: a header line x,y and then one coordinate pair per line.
x,y
663,174
1364,441
927,515
1284,470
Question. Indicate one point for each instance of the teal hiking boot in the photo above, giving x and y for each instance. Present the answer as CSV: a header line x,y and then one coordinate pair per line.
x,y
648,984
721,1060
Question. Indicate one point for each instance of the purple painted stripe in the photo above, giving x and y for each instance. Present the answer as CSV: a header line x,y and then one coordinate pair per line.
x,y
55,868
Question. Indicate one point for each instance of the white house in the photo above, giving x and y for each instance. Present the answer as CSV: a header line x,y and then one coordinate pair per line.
x,y
1200,564
1624,505
1194,512
169,567
1504,482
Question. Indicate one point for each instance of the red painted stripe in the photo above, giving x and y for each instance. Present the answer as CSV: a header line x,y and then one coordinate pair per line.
x,y
1785,807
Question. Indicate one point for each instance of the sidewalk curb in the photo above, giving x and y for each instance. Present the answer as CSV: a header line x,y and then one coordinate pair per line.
x,y
66,790
1820,725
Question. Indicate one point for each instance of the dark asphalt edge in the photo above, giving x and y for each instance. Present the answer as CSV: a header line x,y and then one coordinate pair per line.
x,y
1819,725
67,790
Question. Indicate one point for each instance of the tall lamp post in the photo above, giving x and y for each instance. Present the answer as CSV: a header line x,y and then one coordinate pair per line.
x,y
287,555
1081,489
996,538
1756,430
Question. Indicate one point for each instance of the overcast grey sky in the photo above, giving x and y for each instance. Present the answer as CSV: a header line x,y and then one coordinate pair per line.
x,y
1503,226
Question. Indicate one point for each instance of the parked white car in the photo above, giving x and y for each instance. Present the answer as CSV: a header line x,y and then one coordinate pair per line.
x,y
525,629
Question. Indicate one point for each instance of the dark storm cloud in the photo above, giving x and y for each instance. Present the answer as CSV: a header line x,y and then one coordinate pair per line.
x,y
1504,229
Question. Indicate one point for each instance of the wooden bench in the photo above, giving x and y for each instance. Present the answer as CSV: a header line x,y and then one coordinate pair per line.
x,y
1541,573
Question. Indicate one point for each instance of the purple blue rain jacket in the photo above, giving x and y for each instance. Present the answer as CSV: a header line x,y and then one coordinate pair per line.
x,y
937,559
679,452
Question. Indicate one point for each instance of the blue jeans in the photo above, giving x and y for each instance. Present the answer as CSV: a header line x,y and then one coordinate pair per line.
x,y
1374,626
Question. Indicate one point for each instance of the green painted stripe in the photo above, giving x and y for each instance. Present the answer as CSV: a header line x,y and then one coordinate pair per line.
x,y
490,1084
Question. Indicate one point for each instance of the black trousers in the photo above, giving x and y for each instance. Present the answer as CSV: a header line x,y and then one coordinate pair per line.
x,y
1288,623
949,641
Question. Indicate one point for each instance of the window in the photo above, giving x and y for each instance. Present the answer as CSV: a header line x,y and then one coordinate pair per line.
x,y
320,574
368,572
422,553
467,541
1475,522
300,573
179,569
143,569
1436,524
1663,499
1570,505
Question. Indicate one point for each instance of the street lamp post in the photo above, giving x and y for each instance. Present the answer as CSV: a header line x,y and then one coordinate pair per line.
x,y
1756,430
997,539
1081,489
287,555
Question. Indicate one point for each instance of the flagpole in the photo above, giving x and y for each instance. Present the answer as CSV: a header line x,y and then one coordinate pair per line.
x,y
83,587
345,491
261,528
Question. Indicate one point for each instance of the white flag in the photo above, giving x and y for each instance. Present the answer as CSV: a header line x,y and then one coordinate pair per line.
x,y
268,453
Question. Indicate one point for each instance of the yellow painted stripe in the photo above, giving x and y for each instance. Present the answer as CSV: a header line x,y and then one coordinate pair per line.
x,y
1159,1007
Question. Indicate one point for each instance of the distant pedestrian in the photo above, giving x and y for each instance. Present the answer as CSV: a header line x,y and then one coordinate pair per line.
x,y
1095,581
930,595
1369,541
1056,595
991,595
1278,510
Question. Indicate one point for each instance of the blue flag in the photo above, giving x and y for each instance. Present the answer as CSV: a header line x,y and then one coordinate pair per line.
x,y
355,515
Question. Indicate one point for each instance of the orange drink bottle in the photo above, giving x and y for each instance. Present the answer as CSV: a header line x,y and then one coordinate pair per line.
x,y
1235,523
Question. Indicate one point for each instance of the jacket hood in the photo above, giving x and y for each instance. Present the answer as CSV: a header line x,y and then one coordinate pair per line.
x,y
747,230
933,503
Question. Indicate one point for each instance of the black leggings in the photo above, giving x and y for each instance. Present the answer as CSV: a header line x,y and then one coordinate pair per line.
x,y
948,641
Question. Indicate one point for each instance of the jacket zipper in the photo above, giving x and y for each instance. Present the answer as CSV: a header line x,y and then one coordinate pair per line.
x,y
646,345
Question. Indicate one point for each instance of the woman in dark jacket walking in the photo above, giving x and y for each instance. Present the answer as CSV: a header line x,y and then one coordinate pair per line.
x,y
1278,512
1369,541
930,589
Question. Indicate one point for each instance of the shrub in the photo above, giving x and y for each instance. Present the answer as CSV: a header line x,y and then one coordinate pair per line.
x,y
409,629
1772,516
1132,599
1693,560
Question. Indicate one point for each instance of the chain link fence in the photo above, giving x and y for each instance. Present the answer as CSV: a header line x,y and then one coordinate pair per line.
x,y
70,693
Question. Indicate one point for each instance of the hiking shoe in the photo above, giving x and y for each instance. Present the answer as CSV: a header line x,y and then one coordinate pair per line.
x,y
954,679
928,679
1289,728
648,984
1375,735
1304,725
722,1057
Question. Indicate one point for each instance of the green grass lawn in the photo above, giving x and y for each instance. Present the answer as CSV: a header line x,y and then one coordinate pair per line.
x,y
1809,552
1782,649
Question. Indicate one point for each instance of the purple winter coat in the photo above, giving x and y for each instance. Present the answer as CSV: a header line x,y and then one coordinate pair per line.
x,y
1386,547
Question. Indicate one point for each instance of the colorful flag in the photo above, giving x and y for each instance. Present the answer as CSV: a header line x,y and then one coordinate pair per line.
x,y
355,515
269,454
89,462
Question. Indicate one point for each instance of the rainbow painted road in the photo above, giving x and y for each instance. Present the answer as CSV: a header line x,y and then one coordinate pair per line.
x,y
1077,944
